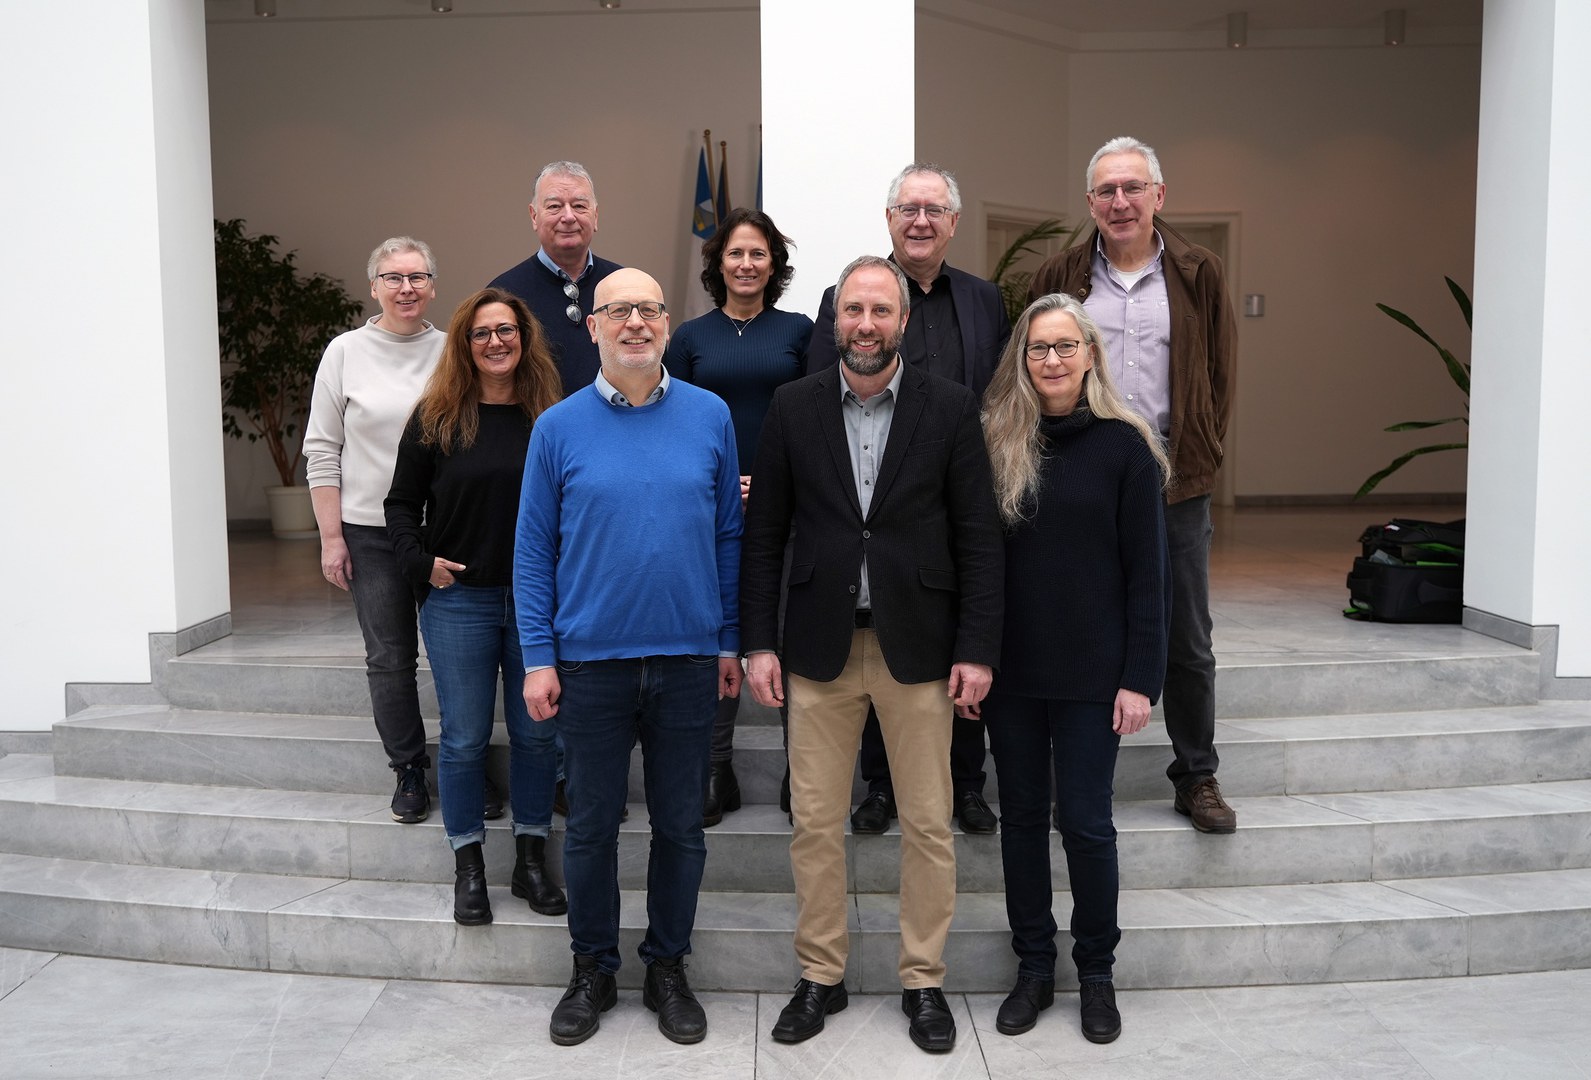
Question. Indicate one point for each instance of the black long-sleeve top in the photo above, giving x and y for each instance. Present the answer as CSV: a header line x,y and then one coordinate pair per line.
x,y
460,506
1088,584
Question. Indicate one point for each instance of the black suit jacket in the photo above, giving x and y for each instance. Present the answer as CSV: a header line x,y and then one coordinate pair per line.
x,y
979,312
935,552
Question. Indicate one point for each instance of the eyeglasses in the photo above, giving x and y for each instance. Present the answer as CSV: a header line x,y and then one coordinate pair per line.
x,y
395,281
1038,350
505,333
1133,190
620,310
572,291
910,211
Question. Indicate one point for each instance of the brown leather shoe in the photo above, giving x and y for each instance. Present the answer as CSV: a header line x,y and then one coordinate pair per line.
x,y
1204,805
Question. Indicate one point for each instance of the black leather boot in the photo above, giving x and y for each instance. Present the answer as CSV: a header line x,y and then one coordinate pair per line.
x,y
723,793
471,906
530,881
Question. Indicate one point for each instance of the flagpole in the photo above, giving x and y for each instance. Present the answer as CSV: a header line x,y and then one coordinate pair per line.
x,y
712,184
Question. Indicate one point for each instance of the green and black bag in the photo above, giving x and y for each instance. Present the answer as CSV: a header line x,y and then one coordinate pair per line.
x,y
1410,572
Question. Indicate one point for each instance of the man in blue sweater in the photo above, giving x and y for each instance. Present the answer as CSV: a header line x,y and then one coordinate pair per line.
x,y
559,282
626,574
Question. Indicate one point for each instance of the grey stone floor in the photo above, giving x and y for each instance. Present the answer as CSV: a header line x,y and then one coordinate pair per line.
x,y
83,1018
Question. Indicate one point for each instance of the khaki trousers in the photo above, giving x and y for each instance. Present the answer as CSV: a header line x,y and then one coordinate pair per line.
x,y
826,721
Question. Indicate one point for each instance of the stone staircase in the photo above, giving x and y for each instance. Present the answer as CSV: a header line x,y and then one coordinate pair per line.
x,y
1410,817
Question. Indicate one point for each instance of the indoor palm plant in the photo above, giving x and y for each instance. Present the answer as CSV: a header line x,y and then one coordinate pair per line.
x,y
1013,284
274,321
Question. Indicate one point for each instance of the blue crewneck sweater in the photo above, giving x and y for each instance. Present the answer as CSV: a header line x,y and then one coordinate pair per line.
x,y
629,530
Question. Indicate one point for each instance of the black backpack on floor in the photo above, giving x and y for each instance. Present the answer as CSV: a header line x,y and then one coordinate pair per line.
x,y
1410,572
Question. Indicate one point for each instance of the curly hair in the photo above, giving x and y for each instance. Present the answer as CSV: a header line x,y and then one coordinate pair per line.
x,y
449,418
779,246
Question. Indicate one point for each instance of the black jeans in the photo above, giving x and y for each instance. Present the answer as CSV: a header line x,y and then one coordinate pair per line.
x,y
384,603
1189,695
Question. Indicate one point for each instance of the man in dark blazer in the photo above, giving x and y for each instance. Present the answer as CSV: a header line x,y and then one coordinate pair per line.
x,y
958,329
894,601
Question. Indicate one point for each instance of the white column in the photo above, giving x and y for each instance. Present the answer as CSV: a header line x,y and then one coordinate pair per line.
x,y
1529,504
838,115
114,521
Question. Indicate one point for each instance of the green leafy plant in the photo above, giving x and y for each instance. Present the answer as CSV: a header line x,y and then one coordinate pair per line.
x,y
275,322
1457,371
1013,284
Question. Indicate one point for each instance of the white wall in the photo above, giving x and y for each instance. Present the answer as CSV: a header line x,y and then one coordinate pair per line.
x,y
114,512
1352,171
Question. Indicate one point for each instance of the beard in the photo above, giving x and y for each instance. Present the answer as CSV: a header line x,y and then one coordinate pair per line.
x,y
866,364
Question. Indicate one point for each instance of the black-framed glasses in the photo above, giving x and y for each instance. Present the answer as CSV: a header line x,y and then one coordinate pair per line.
x,y
395,281
505,333
620,310
911,210
1132,190
572,291
1039,350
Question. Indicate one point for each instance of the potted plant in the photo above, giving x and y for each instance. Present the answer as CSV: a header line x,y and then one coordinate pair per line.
x,y
1457,371
274,321
1013,284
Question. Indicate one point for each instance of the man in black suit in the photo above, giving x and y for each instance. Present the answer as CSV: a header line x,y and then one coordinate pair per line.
x,y
894,601
958,329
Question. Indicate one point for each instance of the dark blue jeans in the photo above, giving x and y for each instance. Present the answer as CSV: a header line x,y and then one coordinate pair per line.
x,y
669,703
1188,699
1029,737
384,604
472,640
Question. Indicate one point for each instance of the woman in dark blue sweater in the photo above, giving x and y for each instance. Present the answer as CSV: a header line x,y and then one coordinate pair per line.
x,y
451,514
742,352
1079,478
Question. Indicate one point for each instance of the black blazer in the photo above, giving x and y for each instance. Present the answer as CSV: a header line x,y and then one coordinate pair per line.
x,y
979,312
935,552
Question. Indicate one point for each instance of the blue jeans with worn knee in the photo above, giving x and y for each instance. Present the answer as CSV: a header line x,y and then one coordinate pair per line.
x,y
472,640
669,703
1028,737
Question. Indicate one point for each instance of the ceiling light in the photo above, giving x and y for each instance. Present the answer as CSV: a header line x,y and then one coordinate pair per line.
x,y
1392,25
608,5
441,7
265,9
1237,30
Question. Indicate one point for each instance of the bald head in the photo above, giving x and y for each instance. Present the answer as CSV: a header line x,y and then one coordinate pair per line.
x,y
634,342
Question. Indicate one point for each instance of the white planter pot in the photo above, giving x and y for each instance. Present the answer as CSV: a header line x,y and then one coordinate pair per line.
x,y
292,513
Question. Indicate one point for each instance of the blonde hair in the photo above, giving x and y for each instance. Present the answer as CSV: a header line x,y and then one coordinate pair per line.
x,y
1011,410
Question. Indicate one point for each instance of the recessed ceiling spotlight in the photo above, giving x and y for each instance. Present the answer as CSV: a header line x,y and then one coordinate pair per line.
x,y
1237,30
265,9
1393,24
608,5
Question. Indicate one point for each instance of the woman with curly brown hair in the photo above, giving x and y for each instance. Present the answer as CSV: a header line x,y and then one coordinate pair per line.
x,y
451,513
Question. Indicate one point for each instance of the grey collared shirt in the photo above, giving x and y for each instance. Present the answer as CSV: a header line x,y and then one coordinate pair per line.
x,y
1134,317
866,434
612,395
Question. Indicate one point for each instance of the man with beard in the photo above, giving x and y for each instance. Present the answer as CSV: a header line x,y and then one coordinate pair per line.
x,y
895,602
626,565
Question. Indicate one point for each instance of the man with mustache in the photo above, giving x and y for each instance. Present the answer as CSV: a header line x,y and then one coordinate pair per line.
x,y
894,601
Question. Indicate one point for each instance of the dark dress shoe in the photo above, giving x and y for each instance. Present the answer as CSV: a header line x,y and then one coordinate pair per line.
x,y
931,1026
471,907
1019,1012
874,813
679,1015
1101,1021
723,793
803,1017
1202,803
578,1013
530,881
492,803
974,814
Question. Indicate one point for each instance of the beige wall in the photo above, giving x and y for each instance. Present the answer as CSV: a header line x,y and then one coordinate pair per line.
x,y
1351,172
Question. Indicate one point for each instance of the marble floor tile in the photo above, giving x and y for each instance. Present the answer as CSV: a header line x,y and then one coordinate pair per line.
x,y
25,767
87,1018
454,1031
17,966
868,1039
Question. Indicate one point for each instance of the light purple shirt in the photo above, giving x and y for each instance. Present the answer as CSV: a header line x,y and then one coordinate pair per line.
x,y
1134,318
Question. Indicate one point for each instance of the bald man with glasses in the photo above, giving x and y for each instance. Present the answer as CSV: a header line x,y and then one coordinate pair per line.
x,y
558,283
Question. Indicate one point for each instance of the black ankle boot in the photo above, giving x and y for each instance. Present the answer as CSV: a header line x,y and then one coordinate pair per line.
x,y
530,881
471,907
723,793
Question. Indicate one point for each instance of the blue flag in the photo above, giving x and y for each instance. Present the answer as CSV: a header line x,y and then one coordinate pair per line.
x,y
704,215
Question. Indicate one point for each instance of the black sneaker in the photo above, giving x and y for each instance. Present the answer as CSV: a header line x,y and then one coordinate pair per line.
x,y
411,802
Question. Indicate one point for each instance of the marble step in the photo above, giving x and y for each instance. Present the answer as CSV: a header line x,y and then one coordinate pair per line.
x,y
1306,839
1243,935
238,674
1277,756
